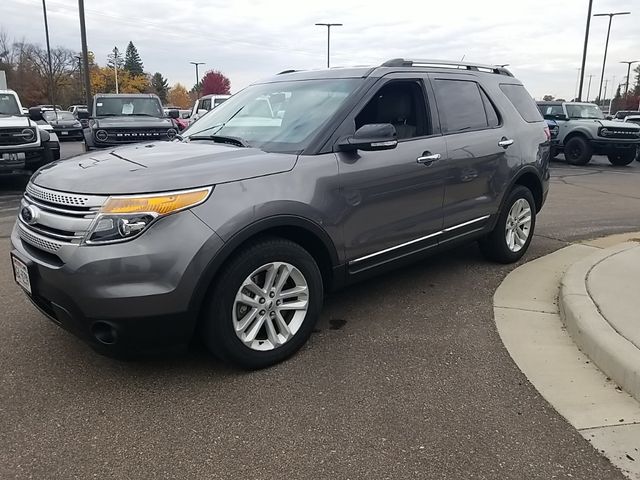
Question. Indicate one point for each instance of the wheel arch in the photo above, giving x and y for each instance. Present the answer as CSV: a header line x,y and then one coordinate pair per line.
x,y
306,233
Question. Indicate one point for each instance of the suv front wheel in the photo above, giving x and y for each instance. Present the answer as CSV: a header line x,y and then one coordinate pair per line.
x,y
514,228
577,151
621,158
264,304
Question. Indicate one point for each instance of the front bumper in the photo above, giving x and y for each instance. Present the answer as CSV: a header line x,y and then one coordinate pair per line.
x,y
34,158
129,298
604,146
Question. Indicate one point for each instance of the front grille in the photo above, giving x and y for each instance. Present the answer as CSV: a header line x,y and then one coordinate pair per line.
x,y
49,219
37,241
129,135
618,132
16,136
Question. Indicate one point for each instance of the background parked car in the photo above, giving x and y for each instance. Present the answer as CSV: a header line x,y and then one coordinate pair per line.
x,y
206,103
621,114
64,123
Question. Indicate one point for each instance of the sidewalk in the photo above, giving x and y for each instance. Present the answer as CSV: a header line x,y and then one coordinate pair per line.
x,y
566,318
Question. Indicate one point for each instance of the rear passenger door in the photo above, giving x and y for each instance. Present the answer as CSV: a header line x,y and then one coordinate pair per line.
x,y
480,147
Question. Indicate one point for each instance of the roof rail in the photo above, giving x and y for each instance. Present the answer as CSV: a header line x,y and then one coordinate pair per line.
x,y
401,62
286,71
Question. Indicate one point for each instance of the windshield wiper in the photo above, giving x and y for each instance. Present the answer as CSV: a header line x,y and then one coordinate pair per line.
x,y
240,142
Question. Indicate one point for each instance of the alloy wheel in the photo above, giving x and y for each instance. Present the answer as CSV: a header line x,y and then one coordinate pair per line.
x,y
270,306
518,226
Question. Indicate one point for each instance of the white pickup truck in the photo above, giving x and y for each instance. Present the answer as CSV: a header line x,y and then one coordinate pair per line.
x,y
26,142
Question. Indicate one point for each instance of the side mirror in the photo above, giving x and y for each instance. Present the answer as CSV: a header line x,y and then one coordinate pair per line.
x,y
82,114
35,114
173,113
608,117
372,137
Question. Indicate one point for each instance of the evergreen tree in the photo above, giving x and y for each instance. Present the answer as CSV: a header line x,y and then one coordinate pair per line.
x,y
160,86
132,61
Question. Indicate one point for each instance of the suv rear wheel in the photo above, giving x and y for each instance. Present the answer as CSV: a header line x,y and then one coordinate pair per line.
x,y
577,151
513,232
621,157
264,305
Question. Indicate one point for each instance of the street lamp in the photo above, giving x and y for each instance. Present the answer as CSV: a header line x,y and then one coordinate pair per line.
x,y
328,25
626,88
584,50
606,45
197,75
52,97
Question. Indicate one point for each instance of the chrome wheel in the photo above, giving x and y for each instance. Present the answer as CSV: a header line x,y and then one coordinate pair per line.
x,y
270,306
518,226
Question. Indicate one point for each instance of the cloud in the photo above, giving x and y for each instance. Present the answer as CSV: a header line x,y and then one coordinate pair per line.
x,y
541,40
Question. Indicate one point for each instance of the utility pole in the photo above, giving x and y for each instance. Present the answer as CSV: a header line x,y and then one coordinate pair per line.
x,y
115,67
197,75
603,100
85,56
584,50
589,87
52,97
606,45
329,25
626,88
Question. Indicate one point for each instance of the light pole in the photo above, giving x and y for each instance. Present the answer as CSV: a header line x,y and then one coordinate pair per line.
x,y
115,66
584,51
328,25
577,83
197,75
52,97
626,88
79,58
606,45
85,55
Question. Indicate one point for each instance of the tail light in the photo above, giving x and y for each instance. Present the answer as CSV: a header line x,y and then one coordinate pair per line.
x,y
547,132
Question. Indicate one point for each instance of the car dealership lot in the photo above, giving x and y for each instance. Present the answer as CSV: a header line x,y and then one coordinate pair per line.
x,y
405,377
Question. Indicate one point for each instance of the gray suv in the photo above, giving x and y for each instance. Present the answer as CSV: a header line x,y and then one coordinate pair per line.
x,y
234,231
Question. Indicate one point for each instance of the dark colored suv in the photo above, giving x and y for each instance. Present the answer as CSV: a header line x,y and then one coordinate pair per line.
x,y
303,183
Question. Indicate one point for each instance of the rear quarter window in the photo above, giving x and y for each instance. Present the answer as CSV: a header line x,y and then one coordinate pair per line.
x,y
522,101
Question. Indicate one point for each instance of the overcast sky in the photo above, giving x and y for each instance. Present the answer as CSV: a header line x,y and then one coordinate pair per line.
x,y
541,40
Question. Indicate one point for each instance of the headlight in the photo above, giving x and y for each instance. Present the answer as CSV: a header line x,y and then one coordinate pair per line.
x,y
77,124
171,133
604,132
125,217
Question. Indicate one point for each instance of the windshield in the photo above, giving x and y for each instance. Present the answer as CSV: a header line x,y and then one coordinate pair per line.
x,y
551,109
625,113
584,111
8,105
278,117
49,116
109,106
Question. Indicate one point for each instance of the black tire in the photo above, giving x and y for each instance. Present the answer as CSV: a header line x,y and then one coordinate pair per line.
x,y
553,153
620,158
494,246
217,328
578,151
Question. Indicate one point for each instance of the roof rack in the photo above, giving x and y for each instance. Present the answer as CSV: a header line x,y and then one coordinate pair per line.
x,y
402,62
286,71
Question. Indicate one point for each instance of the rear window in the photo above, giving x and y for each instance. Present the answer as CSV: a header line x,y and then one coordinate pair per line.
x,y
523,102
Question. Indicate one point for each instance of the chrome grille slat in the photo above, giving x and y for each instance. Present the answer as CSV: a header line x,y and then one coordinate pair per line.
x,y
38,241
61,198
77,213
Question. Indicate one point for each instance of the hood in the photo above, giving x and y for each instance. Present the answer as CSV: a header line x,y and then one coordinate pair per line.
x,y
133,122
158,167
603,123
14,121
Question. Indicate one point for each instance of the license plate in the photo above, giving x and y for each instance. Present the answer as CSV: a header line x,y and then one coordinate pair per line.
x,y
64,133
13,157
21,274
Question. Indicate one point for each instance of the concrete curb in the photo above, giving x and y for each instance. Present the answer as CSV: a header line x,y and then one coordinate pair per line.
x,y
611,352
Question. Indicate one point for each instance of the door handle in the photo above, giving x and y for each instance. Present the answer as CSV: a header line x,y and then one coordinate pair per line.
x,y
428,158
505,142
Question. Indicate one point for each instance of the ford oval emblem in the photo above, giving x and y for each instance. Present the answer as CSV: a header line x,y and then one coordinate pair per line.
x,y
29,214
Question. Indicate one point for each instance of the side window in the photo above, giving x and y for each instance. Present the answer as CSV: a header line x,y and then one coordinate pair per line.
x,y
205,104
490,110
400,103
523,102
460,105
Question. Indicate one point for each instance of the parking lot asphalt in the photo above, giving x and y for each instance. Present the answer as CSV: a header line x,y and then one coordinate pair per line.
x,y
405,377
